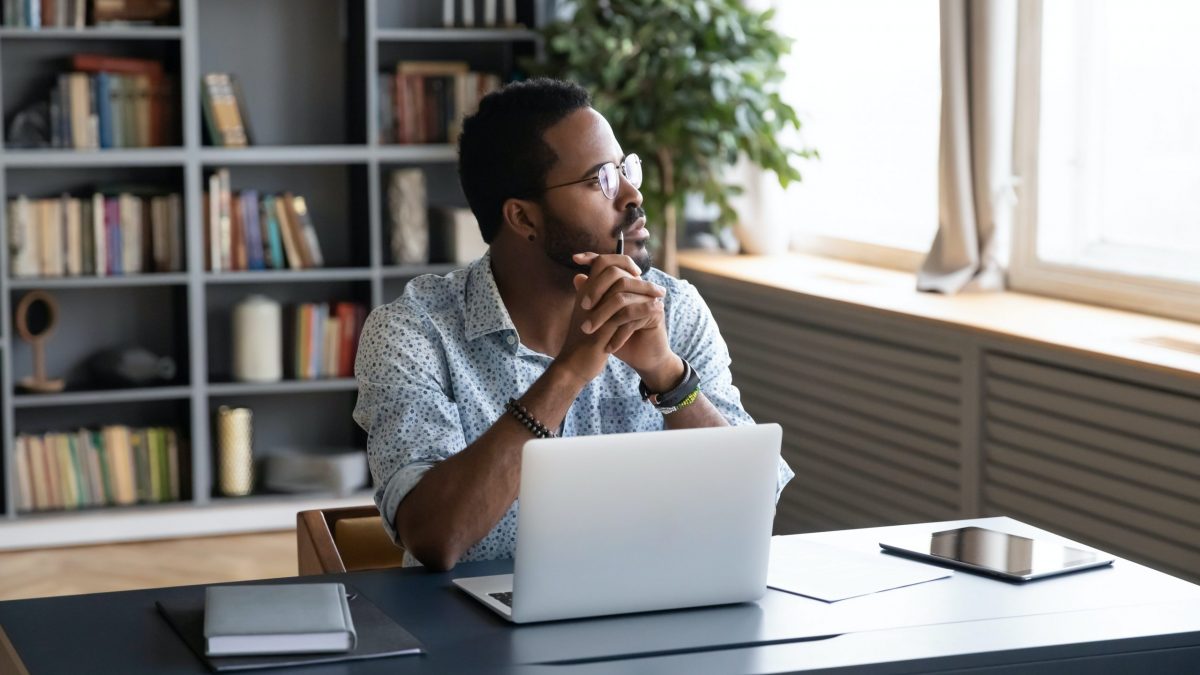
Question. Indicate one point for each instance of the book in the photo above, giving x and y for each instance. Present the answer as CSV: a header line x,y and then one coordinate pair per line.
x,y
274,241
25,489
224,225
277,619
99,236
286,231
126,12
312,245
252,230
173,470
224,114
237,235
23,241
378,636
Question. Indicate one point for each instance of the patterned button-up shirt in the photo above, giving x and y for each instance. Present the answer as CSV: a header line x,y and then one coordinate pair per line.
x,y
436,367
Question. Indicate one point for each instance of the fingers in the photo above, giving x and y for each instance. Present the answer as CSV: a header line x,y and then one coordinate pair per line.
x,y
621,336
598,262
615,280
621,308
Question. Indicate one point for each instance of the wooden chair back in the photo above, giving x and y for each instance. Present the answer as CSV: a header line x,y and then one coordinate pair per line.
x,y
343,540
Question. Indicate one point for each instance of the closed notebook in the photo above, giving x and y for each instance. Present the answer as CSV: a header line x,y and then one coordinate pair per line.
x,y
377,635
277,619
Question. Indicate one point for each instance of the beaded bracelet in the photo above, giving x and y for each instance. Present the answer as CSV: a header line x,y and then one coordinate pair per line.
x,y
523,416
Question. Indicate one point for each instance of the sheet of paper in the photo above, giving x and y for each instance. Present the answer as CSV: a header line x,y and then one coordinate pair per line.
x,y
830,573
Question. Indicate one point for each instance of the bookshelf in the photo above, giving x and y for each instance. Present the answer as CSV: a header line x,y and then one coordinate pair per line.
x,y
308,72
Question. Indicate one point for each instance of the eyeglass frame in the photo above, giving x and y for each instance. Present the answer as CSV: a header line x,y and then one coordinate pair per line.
x,y
621,171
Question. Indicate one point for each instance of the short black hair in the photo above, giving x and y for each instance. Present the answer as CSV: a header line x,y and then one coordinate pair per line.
x,y
501,152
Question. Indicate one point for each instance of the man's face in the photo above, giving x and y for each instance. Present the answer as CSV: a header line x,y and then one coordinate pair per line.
x,y
579,218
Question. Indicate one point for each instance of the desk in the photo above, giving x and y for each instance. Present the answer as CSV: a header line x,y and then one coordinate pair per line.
x,y
1126,617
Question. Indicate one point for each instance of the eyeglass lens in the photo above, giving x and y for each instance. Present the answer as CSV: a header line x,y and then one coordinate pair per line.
x,y
610,181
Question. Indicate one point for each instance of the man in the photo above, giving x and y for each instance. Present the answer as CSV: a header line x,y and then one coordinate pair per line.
x,y
552,332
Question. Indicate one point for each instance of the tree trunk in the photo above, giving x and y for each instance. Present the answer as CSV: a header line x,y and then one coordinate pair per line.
x,y
668,262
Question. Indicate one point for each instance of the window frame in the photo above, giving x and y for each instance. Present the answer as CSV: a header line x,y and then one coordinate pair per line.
x,y
1027,272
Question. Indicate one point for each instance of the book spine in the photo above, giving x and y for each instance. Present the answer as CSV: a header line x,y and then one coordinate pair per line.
x,y
95,63
103,109
273,237
173,464
25,488
252,230
211,222
226,231
99,250
309,230
106,474
82,485
238,236
74,243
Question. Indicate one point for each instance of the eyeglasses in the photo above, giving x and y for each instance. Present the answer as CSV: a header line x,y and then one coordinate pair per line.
x,y
610,182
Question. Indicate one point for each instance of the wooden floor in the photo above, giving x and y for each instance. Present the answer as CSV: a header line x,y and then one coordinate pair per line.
x,y
153,564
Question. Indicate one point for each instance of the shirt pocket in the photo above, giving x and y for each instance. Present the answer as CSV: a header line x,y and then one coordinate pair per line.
x,y
625,414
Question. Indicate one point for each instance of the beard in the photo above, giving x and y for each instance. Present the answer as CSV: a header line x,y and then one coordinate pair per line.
x,y
563,240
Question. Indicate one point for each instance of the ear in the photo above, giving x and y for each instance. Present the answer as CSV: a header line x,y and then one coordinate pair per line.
x,y
522,217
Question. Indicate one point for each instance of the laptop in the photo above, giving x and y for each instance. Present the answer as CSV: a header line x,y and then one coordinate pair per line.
x,y
639,522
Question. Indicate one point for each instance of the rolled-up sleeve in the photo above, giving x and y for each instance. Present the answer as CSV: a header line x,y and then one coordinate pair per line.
x,y
403,403
695,337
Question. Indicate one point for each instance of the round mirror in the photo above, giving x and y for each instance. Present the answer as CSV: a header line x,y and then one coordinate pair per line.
x,y
37,316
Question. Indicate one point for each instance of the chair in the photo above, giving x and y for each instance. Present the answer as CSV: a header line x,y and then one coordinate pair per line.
x,y
343,540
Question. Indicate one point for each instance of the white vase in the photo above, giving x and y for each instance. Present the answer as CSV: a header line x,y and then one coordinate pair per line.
x,y
758,234
257,340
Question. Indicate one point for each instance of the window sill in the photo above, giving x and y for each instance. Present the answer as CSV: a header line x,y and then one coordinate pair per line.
x,y
1137,339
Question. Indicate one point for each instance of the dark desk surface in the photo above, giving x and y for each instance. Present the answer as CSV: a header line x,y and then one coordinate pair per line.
x,y
1127,616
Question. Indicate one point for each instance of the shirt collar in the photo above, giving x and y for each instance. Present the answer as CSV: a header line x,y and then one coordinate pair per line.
x,y
486,312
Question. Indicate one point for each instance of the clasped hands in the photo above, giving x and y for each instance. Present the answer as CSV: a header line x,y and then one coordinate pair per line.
x,y
617,312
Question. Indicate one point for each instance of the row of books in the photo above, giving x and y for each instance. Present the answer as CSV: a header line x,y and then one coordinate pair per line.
x,y
115,465
326,338
247,230
426,101
101,235
80,13
111,102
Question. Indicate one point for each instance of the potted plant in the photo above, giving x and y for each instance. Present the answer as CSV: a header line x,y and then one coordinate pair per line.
x,y
690,85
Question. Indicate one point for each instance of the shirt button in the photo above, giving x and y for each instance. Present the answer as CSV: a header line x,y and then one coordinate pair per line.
x,y
511,340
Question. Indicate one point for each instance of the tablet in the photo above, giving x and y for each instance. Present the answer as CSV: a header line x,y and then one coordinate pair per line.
x,y
976,549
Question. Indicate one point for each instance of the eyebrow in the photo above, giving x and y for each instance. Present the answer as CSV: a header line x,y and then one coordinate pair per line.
x,y
591,173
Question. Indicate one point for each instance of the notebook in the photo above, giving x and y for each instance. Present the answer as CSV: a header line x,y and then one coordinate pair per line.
x,y
377,634
277,619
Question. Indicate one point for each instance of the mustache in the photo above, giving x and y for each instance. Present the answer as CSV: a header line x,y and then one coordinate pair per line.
x,y
632,215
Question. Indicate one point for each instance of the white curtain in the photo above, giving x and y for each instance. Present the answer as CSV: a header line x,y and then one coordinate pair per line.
x,y
975,183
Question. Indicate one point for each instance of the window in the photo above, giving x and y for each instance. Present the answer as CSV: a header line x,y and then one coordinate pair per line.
x,y
1114,216
864,76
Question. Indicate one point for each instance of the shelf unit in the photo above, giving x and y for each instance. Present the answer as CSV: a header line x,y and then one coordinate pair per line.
x,y
308,71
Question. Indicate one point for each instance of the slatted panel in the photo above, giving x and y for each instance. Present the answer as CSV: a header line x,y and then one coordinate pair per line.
x,y
1112,463
871,421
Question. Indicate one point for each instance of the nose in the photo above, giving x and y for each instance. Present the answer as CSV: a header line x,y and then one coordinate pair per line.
x,y
627,194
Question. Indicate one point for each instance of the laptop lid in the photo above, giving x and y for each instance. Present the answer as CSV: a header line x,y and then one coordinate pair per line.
x,y
644,521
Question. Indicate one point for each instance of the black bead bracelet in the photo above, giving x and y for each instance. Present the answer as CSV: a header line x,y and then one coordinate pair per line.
x,y
519,411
